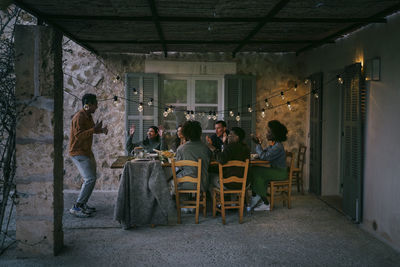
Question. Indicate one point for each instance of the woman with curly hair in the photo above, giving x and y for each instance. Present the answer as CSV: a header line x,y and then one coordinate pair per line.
x,y
276,155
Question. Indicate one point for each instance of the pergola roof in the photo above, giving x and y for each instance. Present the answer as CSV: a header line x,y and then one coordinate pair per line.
x,y
145,26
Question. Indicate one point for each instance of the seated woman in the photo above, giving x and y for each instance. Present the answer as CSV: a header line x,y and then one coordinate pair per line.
x,y
193,149
179,139
154,140
236,149
276,155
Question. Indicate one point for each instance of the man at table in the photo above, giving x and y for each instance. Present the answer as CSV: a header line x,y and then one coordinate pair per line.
x,y
218,139
236,149
194,150
154,140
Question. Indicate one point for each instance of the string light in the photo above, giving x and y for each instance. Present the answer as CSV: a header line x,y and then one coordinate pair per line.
x,y
231,113
238,117
116,79
214,117
263,113
315,93
192,114
306,81
295,87
135,92
266,102
282,95
340,79
150,102
288,105
116,102
140,107
166,113
209,116
249,108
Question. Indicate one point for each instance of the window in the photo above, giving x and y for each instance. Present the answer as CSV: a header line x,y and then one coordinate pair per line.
x,y
200,94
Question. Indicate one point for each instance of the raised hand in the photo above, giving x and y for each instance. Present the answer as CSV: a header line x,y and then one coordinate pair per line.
x,y
208,139
98,127
161,130
224,137
104,130
255,138
132,129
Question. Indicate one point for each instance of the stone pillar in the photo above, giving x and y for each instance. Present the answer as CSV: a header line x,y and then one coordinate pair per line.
x,y
39,174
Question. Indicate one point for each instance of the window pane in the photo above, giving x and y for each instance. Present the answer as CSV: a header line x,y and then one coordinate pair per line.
x,y
202,114
206,91
174,91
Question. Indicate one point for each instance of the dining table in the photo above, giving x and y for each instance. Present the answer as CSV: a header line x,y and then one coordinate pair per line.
x,y
143,195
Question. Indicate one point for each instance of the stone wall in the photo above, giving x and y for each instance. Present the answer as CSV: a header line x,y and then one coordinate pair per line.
x,y
274,73
39,157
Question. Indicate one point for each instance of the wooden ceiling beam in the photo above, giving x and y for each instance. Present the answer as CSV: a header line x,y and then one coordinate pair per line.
x,y
214,19
156,21
278,7
349,29
41,17
223,42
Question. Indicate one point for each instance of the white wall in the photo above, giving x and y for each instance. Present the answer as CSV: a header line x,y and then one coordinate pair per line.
x,y
382,159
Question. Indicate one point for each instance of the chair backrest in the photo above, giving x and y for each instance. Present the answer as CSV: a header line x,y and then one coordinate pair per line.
x,y
301,156
233,179
189,179
290,161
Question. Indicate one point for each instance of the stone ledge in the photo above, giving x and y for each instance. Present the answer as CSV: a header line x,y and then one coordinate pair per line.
x,y
26,141
34,178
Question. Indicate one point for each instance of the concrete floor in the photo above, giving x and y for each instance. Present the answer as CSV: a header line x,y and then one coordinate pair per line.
x,y
309,234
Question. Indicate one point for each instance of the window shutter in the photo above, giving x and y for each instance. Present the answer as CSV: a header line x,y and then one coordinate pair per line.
x,y
146,85
352,143
240,91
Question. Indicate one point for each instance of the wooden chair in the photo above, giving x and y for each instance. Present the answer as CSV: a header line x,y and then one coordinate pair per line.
x,y
200,196
282,190
219,194
298,171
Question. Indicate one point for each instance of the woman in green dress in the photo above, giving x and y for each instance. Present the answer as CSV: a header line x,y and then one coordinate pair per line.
x,y
276,155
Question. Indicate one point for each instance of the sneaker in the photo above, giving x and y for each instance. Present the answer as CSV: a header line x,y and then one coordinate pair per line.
x,y
254,201
262,207
88,209
78,212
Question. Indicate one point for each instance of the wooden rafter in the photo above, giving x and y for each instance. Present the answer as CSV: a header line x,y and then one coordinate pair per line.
x,y
349,29
158,26
40,16
278,7
220,19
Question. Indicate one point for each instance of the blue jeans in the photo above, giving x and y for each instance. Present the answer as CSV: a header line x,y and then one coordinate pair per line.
x,y
87,169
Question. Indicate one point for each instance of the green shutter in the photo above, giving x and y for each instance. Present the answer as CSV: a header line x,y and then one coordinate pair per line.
x,y
240,91
147,87
352,142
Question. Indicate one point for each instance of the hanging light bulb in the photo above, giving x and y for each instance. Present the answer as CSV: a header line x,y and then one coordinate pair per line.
x,y
209,27
340,79
209,116
135,92
187,116
140,107
116,102
238,117
295,87
192,115
231,113
288,105
116,78
266,102
165,113
249,108
282,95
306,81
150,102
263,113
214,117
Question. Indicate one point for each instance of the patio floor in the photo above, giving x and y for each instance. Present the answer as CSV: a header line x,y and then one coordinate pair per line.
x,y
309,234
